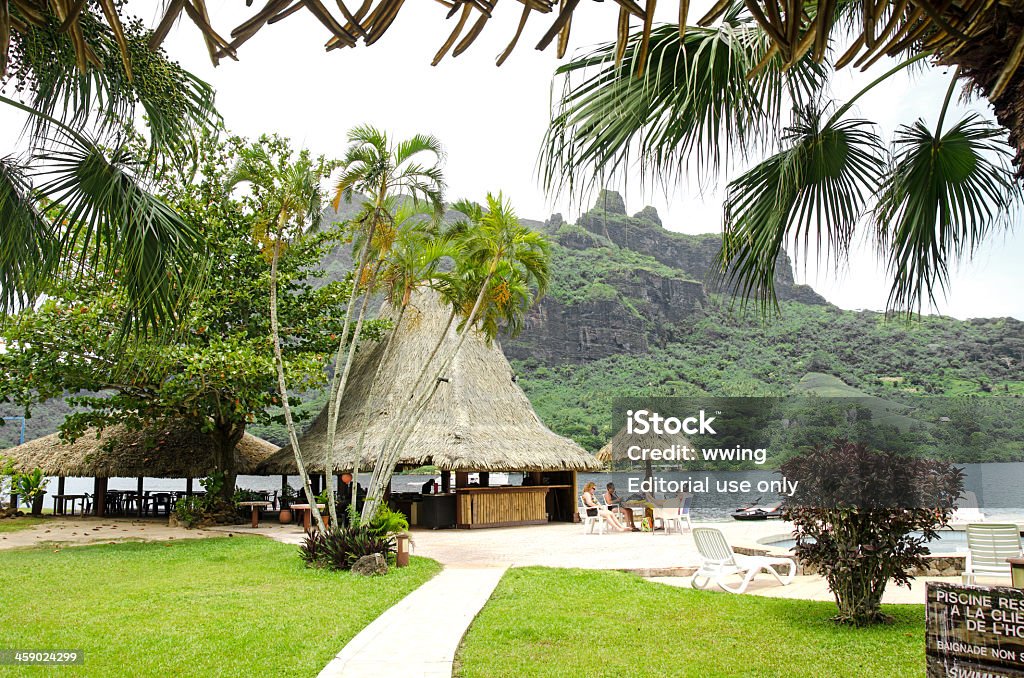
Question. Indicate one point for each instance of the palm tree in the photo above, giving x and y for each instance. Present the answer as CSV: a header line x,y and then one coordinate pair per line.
x,y
80,197
289,202
714,95
413,262
382,172
502,270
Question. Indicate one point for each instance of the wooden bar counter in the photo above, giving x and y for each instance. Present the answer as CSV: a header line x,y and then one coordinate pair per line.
x,y
503,506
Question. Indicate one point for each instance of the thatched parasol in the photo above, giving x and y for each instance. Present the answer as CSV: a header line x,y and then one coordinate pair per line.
x,y
119,453
479,420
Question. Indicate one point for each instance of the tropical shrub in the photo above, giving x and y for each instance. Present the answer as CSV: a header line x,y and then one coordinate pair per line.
x,y
189,510
30,487
864,517
313,549
387,522
210,508
340,547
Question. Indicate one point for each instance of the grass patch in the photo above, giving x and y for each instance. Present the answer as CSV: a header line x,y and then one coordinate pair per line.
x,y
22,523
545,622
204,607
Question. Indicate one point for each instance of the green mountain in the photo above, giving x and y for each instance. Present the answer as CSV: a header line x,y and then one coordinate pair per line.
x,y
634,311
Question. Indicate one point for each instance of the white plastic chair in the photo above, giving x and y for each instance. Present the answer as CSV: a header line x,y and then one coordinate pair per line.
x,y
684,513
719,561
673,517
669,517
589,521
989,545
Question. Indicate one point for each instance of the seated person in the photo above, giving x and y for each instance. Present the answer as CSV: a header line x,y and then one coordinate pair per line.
x,y
591,504
611,497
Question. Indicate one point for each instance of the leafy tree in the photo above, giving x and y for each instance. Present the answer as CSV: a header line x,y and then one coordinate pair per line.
x,y
709,94
79,197
286,204
855,511
217,371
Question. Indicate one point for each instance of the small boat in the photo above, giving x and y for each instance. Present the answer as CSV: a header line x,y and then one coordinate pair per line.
x,y
758,512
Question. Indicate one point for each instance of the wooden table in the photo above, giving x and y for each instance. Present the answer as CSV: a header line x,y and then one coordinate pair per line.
x,y
60,502
256,506
307,514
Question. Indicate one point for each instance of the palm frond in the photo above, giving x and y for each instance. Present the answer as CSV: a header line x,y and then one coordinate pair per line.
x,y
694,100
816,188
940,199
106,214
419,143
128,78
26,239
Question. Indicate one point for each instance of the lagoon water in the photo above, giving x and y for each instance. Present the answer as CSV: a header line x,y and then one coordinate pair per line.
x,y
999,487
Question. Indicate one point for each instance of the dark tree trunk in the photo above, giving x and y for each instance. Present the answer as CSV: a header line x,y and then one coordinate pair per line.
x,y
982,60
225,437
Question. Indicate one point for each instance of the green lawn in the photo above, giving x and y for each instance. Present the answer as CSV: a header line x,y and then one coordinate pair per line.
x,y
546,622
211,607
15,524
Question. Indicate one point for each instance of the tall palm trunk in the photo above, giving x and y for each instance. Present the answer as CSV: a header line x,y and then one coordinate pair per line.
x,y
340,378
282,387
365,414
332,457
404,425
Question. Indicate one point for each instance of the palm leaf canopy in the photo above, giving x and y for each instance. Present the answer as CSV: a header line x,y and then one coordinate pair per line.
x,y
79,197
815,188
864,30
984,37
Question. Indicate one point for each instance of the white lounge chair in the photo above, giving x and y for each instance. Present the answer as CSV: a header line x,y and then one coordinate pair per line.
x,y
989,545
719,561
589,521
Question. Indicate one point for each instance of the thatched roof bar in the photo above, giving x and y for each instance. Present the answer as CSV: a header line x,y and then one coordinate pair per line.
x,y
478,421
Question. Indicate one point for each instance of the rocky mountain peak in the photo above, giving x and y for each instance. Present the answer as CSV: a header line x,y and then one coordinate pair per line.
x,y
648,214
610,202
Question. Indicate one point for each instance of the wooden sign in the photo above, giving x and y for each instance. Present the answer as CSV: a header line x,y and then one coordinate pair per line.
x,y
974,631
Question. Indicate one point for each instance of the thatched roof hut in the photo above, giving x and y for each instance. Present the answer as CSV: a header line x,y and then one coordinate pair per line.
x,y
615,449
169,452
479,420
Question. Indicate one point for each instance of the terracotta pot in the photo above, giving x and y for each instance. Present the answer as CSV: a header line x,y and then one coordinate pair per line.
x,y
285,517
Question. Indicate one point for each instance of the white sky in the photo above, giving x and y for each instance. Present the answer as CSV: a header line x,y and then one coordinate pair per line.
x,y
492,120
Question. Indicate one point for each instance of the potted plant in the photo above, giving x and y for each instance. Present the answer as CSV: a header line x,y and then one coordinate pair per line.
x,y
288,495
31,487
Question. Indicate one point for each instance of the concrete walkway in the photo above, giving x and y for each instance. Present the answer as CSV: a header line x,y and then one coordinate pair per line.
x,y
418,636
